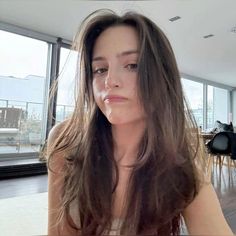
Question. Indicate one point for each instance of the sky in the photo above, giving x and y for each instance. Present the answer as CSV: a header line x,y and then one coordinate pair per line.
x,y
21,56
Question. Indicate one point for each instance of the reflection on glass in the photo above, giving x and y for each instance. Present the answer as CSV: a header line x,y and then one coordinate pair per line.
x,y
210,109
217,105
194,94
66,84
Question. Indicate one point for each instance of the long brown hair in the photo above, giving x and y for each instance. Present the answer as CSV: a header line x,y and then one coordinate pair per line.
x,y
165,177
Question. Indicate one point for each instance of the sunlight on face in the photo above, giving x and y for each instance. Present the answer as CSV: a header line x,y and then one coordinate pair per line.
x,y
114,64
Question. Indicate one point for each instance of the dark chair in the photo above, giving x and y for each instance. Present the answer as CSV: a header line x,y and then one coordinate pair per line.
x,y
222,145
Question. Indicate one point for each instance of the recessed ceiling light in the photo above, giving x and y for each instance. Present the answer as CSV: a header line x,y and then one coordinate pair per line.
x,y
208,36
174,18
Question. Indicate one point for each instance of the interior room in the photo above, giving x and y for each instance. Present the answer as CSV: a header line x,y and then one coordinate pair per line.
x,y
36,51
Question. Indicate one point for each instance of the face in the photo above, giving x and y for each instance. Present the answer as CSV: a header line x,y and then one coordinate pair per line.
x,y
114,66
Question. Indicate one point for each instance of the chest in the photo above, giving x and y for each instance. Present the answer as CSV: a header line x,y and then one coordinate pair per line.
x,y
120,194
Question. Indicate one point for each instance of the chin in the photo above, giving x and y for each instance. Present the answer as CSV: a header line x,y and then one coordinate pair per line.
x,y
115,120
121,119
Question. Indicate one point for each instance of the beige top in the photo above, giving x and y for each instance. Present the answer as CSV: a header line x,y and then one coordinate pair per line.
x,y
116,224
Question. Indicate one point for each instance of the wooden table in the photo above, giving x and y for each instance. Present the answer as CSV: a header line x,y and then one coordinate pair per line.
x,y
206,136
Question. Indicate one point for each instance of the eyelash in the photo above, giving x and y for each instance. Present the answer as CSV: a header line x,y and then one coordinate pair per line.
x,y
97,71
130,67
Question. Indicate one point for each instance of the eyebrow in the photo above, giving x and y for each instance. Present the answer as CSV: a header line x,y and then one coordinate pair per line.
x,y
122,54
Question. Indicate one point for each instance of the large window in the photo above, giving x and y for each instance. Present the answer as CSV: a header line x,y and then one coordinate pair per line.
x,y
23,68
217,105
208,106
194,95
66,84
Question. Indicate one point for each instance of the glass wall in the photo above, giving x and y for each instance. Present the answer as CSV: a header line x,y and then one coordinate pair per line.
x,y
194,94
23,68
215,103
66,84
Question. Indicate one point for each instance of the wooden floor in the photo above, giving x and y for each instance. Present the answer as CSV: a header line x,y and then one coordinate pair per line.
x,y
224,184
23,186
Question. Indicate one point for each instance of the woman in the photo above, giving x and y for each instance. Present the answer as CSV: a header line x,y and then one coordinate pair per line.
x,y
126,162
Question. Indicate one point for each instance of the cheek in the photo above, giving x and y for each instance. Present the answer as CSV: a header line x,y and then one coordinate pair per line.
x,y
136,96
98,85
97,91
133,90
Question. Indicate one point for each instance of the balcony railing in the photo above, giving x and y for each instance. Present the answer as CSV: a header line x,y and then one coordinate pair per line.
x,y
30,133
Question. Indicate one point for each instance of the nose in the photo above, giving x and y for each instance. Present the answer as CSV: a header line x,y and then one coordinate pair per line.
x,y
113,78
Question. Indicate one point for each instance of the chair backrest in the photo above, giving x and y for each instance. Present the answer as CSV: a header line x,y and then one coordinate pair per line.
x,y
233,145
10,117
220,143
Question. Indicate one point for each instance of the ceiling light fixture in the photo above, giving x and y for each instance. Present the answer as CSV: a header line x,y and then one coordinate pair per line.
x,y
208,36
174,18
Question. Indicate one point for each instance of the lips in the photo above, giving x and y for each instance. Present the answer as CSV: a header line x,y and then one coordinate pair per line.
x,y
114,98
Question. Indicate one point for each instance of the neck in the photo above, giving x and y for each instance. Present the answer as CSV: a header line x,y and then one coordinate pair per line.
x,y
127,139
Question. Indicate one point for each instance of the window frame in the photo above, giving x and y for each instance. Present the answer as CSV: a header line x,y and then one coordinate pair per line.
x,y
205,84
53,60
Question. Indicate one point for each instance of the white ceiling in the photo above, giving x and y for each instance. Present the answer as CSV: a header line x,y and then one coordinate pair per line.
x,y
212,59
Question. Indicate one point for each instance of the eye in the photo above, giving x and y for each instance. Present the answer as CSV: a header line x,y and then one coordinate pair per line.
x,y
132,66
100,71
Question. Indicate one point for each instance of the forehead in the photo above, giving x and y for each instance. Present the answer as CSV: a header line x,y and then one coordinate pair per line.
x,y
116,39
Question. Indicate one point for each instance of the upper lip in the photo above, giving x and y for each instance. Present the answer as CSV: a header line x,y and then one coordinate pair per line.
x,y
113,96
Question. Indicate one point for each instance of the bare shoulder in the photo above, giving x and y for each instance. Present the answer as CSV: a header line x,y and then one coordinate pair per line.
x,y
57,159
204,214
55,131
